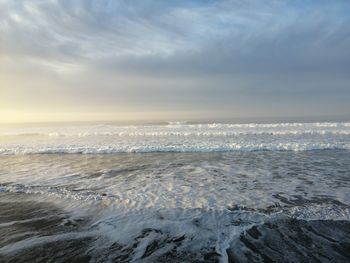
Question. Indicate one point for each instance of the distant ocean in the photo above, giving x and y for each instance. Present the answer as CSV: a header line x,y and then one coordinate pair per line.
x,y
175,192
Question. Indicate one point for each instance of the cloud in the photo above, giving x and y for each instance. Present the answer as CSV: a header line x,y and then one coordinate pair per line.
x,y
174,55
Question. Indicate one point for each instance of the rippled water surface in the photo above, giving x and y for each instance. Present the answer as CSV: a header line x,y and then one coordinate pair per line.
x,y
192,201
175,137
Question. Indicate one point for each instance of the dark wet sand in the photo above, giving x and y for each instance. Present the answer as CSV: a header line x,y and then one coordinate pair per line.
x,y
280,240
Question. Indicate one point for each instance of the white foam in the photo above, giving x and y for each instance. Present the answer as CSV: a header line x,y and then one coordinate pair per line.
x,y
208,199
321,212
207,181
175,137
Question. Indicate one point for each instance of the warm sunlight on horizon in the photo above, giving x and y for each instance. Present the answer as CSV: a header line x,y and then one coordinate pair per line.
x,y
34,117
68,61
197,131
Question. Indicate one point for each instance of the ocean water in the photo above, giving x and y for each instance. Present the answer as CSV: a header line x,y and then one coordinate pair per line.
x,y
175,192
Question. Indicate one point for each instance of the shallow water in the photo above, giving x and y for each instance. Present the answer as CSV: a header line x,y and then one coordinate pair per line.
x,y
211,206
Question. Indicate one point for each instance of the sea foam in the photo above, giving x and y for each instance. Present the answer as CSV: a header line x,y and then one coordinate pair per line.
x,y
175,137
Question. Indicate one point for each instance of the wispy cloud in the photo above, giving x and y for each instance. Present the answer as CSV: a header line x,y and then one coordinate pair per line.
x,y
174,55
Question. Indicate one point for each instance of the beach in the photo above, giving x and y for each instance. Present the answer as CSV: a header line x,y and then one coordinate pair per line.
x,y
279,196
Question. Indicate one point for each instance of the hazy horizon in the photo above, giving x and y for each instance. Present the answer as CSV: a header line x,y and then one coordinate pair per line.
x,y
63,61
174,131
177,119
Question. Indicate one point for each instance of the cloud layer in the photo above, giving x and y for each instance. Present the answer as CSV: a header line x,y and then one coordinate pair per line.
x,y
236,58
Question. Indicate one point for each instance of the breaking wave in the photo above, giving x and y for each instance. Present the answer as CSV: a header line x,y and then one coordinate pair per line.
x,y
175,137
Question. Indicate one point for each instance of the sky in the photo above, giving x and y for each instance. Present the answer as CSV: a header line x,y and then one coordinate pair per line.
x,y
70,60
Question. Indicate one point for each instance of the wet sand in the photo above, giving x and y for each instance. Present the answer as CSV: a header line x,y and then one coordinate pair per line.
x,y
37,231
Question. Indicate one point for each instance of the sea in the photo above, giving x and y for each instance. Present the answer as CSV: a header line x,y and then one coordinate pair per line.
x,y
175,192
